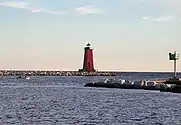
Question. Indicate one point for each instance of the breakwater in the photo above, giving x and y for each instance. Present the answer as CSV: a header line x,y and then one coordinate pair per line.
x,y
162,85
53,73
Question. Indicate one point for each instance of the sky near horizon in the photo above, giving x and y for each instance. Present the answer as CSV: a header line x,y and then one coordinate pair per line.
x,y
127,35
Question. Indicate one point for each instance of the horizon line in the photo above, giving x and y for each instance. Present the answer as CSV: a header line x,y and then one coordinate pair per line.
x,y
133,71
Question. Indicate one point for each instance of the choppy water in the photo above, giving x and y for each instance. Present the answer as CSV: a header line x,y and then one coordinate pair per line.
x,y
64,101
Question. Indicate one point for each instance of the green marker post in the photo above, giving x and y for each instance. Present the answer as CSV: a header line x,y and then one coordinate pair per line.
x,y
174,57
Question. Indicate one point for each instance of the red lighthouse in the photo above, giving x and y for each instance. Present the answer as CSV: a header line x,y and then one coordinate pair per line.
x,y
88,63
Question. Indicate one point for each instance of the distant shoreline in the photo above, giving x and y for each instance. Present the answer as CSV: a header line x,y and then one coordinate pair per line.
x,y
111,71
65,73
54,73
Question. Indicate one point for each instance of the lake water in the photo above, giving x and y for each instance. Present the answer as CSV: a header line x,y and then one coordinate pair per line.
x,y
65,101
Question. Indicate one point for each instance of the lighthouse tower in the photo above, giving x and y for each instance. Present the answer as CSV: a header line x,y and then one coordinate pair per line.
x,y
88,63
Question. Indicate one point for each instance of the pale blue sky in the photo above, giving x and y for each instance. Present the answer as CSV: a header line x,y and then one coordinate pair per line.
x,y
127,35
